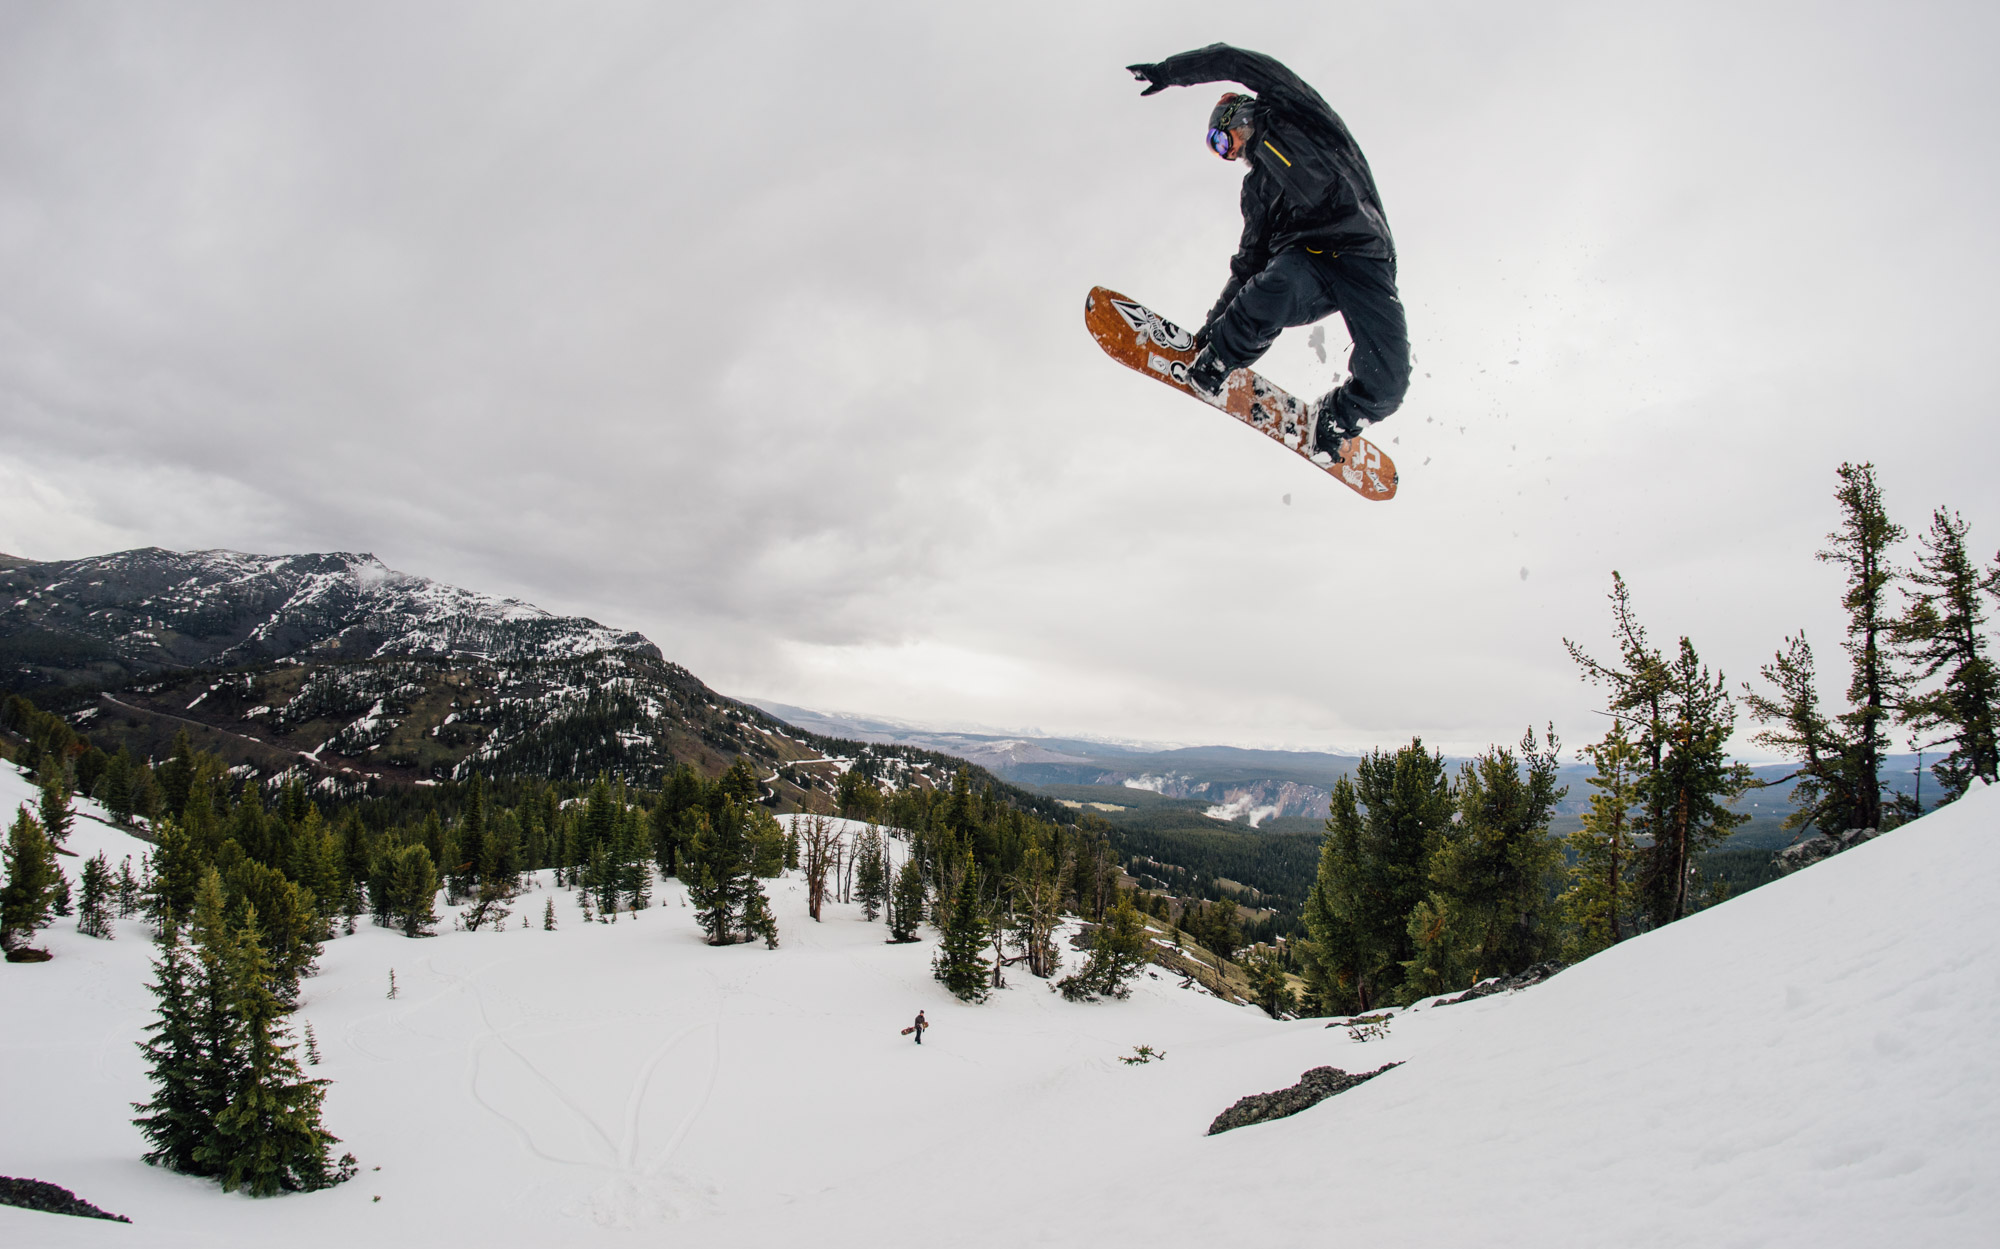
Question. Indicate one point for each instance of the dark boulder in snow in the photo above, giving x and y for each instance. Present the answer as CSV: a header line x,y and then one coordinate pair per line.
x,y
50,1198
1507,984
1314,1087
1805,853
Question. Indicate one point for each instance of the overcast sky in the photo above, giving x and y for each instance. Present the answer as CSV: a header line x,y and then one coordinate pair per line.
x,y
758,328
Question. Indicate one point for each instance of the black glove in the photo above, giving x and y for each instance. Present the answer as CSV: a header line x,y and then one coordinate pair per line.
x,y
1201,335
1144,73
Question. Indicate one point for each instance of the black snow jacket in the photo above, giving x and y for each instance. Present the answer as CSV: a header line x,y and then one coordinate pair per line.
x,y
1309,185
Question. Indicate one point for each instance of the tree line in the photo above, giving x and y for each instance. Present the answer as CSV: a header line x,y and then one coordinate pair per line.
x,y
1429,881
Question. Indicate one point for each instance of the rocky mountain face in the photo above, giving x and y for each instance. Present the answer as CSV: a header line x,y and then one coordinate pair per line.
x,y
336,666
114,617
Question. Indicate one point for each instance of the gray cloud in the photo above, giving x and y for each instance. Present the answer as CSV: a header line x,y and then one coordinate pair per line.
x,y
758,330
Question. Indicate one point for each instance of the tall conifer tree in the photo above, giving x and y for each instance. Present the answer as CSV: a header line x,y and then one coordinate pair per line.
x,y
959,964
1489,873
906,902
1943,632
1381,828
267,1137
1599,905
1861,546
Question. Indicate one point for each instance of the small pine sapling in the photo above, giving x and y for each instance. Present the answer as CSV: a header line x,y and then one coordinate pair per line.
x,y
758,921
129,892
94,912
548,915
392,983
31,882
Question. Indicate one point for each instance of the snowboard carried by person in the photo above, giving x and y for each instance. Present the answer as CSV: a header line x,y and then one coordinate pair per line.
x,y
918,1027
1315,242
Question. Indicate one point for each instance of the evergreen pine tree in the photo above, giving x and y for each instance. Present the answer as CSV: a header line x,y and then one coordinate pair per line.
x,y
1861,545
601,880
216,1061
906,902
465,875
117,788
412,890
32,882
179,1117
94,910
1489,874
267,1137
717,873
56,814
871,877
1379,832
1688,797
768,844
959,965
758,921
176,776
128,890
1684,717
288,928
1943,633
177,871
1117,953
1269,987
1826,790
1599,905
549,915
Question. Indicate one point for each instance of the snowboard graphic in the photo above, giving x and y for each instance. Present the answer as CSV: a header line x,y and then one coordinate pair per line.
x,y
1140,339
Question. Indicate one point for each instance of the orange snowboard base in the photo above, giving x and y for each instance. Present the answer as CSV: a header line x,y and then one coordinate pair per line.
x,y
1142,340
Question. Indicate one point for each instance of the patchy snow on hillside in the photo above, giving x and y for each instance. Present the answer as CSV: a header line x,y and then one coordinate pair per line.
x,y
1812,1064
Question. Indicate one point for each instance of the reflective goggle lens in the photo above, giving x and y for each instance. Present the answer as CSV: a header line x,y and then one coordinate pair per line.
x,y
1220,142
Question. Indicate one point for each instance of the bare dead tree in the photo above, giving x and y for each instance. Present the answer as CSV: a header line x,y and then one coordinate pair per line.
x,y
819,846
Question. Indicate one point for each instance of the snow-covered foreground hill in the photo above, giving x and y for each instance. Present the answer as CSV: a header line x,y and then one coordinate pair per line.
x,y
1813,1064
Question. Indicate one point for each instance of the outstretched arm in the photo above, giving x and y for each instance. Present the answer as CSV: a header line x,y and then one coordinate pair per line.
x,y
1218,62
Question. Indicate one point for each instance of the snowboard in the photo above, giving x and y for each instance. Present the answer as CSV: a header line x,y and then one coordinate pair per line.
x,y
1144,341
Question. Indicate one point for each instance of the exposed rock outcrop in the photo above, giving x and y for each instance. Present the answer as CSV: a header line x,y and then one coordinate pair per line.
x,y
1507,984
50,1198
1804,853
1314,1087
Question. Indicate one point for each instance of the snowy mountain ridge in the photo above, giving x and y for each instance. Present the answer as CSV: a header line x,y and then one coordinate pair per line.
x,y
135,612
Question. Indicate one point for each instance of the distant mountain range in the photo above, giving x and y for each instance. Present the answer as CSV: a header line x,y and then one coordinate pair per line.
x,y
1274,790
339,667
1236,783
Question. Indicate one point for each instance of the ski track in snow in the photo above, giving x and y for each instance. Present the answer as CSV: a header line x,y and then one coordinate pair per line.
x,y
1810,1065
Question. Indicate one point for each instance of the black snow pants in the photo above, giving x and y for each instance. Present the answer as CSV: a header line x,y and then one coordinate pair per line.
x,y
1299,288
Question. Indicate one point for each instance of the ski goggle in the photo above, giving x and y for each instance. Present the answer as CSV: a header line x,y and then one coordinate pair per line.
x,y
1222,143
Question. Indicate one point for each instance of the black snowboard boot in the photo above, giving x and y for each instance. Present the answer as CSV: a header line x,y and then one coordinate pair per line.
x,y
1330,429
1207,375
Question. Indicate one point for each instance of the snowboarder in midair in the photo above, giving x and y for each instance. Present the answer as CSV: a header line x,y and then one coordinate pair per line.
x,y
1315,240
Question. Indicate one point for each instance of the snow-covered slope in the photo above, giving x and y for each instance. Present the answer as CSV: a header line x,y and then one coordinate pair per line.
x,y
1812,1064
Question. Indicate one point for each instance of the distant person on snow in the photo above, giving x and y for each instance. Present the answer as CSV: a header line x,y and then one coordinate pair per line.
x,y
922,1023
1315,240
